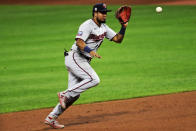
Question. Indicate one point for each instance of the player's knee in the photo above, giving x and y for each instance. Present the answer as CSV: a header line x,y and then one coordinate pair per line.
x,y
96,80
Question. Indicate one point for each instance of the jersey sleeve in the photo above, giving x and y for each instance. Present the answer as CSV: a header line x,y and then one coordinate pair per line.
x,y
109,33
83,32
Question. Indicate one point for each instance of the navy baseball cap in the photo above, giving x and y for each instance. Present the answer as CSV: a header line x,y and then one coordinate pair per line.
x,y
100,7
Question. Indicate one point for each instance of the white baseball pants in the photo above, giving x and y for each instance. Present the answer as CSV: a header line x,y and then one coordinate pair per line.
x,y
81,77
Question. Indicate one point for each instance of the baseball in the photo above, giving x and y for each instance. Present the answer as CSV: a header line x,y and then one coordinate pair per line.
x,y
159,9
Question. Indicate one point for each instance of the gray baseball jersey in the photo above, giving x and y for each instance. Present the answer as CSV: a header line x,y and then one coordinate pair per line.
x,y
93,35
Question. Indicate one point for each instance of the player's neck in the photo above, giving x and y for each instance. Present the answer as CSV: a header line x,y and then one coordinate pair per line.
x,y
96,22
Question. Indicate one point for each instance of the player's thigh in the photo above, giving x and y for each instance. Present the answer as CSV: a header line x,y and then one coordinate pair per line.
x,y
79,66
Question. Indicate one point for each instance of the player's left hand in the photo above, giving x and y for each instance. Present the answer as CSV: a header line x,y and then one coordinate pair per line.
x,y
94,54
125,25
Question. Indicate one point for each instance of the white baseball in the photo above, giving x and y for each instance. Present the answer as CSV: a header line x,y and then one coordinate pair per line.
x,y
159,9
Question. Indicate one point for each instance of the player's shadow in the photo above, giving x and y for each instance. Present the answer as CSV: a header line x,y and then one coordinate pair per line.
x,y
91,119
80,120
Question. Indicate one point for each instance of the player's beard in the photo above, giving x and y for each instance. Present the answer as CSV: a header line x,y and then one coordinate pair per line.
x,y
101,21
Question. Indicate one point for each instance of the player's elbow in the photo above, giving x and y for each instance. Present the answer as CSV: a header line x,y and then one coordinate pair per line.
x,y
118,41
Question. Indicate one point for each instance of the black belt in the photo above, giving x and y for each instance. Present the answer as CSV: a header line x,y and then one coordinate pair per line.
x,y
86,57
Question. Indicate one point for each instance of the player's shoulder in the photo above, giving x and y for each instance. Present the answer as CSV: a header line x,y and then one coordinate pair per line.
x,y
88,23
105,25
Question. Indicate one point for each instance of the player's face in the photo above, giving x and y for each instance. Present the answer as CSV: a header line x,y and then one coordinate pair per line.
x,y
101,17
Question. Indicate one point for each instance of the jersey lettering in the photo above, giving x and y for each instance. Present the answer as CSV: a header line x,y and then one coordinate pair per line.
x,y
97,38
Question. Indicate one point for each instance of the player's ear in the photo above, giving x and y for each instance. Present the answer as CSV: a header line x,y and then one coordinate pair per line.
x,y
95,14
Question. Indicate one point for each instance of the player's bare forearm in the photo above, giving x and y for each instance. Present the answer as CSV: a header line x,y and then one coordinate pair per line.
x,y
81,44
119,37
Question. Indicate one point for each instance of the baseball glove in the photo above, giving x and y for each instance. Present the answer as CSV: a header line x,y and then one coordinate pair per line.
x,y
123,14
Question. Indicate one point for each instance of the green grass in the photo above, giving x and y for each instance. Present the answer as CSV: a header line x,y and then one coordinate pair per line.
x,y
157,56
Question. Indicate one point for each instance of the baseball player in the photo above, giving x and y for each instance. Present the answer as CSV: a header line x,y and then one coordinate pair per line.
x,y
82,76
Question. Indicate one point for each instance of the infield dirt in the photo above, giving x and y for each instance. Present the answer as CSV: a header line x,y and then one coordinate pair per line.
x,y
173,112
